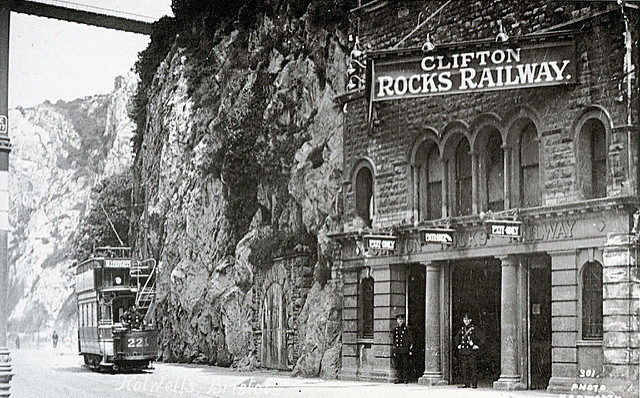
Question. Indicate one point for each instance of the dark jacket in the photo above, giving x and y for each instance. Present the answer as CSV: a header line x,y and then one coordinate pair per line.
x,y
402,340
133,318
468,339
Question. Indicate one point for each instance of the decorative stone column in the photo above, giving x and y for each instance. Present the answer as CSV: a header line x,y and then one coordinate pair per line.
x,y
474,182
416,195
445,188
5,148
507,176
509,374
432,355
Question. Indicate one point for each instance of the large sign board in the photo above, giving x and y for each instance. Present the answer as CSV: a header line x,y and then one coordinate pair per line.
x,y
486,67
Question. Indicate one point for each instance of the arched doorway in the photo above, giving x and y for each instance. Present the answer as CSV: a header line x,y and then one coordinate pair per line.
x,y
274,344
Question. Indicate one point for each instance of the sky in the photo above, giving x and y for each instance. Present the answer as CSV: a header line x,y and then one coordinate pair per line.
x,y
53,60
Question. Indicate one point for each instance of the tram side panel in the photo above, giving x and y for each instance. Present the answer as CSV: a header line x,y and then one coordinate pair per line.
x,y
88,313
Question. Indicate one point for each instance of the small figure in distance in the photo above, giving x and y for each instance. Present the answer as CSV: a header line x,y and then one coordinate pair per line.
x,y
54,339
401,349
469,341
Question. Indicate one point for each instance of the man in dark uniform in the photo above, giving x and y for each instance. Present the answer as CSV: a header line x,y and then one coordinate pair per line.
x,y
468,341
133,318
402,344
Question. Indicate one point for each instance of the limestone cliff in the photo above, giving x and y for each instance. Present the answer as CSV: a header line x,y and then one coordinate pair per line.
x,y
59,152
240,169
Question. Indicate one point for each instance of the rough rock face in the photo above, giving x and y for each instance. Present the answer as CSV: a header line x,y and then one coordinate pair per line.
x,y
281,74
322,317
119,125
59,152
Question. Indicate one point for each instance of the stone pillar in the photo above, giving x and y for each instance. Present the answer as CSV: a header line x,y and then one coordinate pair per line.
x,y
389,300
474,183
621,315
416,194
5,148
432,355
507,177
445,188
510,378
564,320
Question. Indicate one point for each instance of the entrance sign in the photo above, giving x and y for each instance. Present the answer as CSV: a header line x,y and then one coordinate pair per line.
x,y
507,228
380,242
439,235
485,66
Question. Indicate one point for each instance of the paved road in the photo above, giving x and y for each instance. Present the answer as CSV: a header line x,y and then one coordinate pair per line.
x,y
49,374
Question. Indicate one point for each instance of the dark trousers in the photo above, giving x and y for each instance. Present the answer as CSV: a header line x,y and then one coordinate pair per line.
x,y
402,365
468,369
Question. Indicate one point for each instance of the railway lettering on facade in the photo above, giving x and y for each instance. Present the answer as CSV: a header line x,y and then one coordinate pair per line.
x,y
528,65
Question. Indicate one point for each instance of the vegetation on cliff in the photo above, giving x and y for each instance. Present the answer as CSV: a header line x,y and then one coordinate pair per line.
x,y
110,205
252,146
149,59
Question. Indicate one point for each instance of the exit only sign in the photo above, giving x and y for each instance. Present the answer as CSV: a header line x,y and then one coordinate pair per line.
x,y
506,228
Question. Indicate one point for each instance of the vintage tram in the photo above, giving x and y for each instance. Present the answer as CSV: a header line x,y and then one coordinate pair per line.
x,y
107,286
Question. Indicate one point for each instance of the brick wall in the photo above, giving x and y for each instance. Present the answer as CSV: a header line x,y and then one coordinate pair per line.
x,y
600,53
469,20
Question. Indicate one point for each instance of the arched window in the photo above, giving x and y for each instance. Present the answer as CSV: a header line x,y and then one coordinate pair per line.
x,y
364,195
495,171
592,300
429,174
366,307
529,167
592,159
463,178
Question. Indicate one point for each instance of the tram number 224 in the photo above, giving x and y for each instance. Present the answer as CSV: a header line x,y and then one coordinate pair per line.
x,y
137,342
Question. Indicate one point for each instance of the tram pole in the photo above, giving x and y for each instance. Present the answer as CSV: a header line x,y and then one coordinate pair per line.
x,y
5,148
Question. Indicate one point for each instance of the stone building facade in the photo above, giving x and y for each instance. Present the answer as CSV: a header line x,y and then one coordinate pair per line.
x,y
488,191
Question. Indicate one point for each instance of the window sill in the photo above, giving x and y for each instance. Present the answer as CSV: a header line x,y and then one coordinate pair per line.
x,y
589,343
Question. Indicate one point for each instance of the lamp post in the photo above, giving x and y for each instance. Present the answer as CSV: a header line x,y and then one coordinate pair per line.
x,y
5,148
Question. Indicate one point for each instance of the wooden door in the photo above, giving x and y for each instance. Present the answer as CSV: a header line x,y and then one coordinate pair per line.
x,y
274,344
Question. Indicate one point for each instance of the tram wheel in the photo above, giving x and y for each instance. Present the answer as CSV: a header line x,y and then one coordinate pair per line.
x,y
92,361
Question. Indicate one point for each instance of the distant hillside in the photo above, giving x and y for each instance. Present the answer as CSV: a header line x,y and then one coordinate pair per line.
x,y
59,152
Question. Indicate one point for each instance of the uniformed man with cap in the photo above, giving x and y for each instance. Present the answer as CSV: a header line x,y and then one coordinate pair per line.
x,y
468,341
133,318
401,349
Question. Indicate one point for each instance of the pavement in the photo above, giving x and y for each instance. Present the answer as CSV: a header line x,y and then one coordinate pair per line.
x,y
48,373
